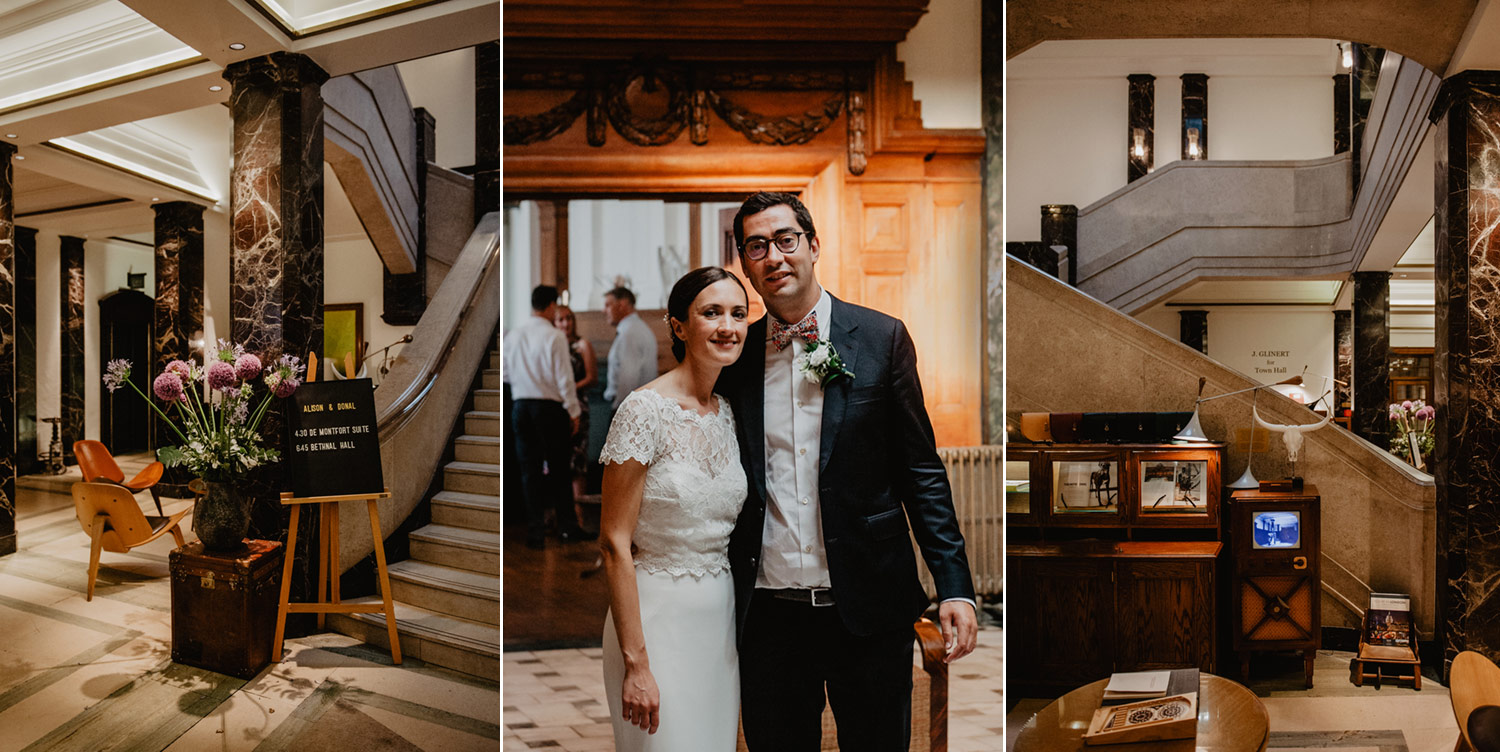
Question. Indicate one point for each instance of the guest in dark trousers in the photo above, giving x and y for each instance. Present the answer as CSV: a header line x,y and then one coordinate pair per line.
x,y
540,374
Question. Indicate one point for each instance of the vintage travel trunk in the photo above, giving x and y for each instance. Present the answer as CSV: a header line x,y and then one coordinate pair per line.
x,y
224,607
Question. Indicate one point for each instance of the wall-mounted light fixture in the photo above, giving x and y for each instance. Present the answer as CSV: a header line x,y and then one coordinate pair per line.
x,y
1138,143
1193,151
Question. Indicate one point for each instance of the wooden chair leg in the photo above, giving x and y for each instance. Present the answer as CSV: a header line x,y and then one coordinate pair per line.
x,y
177,535
385,582
157,498
286,585
96,535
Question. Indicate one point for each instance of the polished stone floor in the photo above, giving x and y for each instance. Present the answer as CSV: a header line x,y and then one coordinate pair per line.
x,y
77,675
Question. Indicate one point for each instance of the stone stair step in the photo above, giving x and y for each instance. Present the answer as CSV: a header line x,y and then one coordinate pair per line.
x,y
482,423
447,590
490,379
439,639
487,400
494,359
461,548
485,449
459,509
472,477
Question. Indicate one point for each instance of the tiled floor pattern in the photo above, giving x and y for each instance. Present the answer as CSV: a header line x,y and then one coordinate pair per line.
x,y
1334,714
77,675
555,699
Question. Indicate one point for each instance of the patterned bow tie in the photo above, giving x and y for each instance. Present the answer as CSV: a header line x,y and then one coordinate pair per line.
x,y
807,329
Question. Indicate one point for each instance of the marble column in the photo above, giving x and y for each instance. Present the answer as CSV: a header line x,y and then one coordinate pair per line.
x,y
71,347
486,129
26,430
404,296
1194,116
1192,329
1060,234
178,308
276,254
1365,77
992,88
7,352
1141,134
1372,356
1343,357
1342,111
1466,360
1034,253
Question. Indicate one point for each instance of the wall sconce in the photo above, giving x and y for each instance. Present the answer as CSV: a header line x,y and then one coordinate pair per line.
x,y
1193,151
1138,141
1346,54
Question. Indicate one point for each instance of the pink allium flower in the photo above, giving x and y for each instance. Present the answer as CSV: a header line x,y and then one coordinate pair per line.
x,y
285,387
221,376
116,374
181,369
168,388
1406,405
1428,412
247,366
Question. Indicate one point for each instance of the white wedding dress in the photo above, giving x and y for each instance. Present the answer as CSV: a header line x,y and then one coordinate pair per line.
x,y
694,489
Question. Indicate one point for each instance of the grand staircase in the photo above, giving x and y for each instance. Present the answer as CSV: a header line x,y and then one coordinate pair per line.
x,y
448,593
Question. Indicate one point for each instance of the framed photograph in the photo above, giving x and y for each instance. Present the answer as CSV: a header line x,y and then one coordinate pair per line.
x,y
1086,486
1017,487
343,332
1173,486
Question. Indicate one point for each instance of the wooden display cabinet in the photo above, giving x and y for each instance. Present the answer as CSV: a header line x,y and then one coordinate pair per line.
x,y
1276,590
1107,486
1175,487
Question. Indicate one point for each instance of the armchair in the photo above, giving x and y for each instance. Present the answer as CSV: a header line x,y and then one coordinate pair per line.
x,y
98,465
114,522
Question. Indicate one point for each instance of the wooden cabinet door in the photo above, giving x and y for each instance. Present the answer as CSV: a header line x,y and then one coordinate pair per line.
x,y
1166,614
1072,615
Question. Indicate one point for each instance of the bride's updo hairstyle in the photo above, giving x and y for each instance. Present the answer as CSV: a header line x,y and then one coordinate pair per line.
x,y
685,292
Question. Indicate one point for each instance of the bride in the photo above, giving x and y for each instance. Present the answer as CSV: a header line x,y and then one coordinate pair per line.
x,y
673,486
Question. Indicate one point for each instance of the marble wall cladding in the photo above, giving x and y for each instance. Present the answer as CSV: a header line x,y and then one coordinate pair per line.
x,y
1194,116
26,427
404,296
1372,356
1034,253
1365,77
992,83
1466,361
7,352
71,347
1140,136
1342,110
1343,356
178,306
1060,235
1192,329
486,129
276,252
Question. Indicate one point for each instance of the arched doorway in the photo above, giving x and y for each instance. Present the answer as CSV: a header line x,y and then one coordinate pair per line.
x,y
125,323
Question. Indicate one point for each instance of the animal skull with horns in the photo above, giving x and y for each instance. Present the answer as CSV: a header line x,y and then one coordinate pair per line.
x,y
1291,434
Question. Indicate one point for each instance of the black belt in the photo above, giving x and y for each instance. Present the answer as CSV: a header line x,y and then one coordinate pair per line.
x,y
818,597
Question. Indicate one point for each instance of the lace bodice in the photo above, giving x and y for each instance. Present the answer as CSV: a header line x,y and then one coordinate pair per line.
x,y
695,485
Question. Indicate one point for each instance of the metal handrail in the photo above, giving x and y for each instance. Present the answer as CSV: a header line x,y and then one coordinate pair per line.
x,y
401,411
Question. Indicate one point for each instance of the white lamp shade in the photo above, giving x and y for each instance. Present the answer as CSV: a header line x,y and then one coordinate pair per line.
x,y
1193,431
1246,479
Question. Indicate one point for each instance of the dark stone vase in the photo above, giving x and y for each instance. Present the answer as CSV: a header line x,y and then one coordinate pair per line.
x,y
221,518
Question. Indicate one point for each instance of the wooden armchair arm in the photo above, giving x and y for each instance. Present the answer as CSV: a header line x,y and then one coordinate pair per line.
x,y
172,523
930,640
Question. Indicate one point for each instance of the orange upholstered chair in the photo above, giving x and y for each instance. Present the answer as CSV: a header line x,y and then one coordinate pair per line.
x,y
114,522
98,466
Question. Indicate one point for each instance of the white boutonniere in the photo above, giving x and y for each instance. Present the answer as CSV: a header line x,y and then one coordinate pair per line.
x,y
819,363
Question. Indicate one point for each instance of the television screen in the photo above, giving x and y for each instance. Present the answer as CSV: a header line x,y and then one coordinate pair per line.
x,y
1277,529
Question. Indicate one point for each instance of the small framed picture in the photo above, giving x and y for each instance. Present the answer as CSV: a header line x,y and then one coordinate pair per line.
x,y
1086,486
1174,486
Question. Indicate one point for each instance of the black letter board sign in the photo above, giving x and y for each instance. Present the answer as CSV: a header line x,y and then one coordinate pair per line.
x,y
334,449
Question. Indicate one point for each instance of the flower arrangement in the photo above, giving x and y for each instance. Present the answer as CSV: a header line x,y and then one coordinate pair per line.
x,y
819,363
1412,421
218,432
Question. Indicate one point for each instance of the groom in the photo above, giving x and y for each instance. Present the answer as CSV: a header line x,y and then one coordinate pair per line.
x,y
840,458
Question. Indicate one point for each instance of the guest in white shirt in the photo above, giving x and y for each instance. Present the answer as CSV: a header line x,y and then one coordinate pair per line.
x,y
632,358
545,415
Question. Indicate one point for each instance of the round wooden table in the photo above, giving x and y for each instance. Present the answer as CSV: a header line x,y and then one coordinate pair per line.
x,y
1230,719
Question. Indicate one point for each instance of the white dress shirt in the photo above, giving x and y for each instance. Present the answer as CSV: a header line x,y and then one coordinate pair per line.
x,y
792,551
537,365
632,359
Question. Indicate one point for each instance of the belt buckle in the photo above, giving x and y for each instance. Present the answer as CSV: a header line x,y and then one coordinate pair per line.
x,y
827,594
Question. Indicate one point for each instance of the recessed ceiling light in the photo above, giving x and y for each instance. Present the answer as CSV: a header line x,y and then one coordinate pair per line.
x,y
236,46
154,198
20,156
10,135
216,87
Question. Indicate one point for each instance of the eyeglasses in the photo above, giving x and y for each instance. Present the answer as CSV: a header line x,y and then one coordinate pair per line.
x,y
787,242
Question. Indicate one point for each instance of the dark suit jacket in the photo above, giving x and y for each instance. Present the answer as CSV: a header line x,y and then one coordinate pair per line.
x,y
878,458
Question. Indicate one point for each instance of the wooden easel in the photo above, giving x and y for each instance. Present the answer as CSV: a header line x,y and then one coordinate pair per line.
x,y
328,561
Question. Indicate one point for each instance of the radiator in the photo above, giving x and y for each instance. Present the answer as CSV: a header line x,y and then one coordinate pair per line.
x,y
976,474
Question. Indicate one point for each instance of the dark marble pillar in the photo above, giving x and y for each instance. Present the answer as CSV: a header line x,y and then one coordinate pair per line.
x,y
26,461
992,85
1372,356
71,347
486,129
1343,357
1466,361
404,296
7,352
1141,133
1342,111
178,308
276,253
1060,234
1194,116
1192,329
1366,77
1035,253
